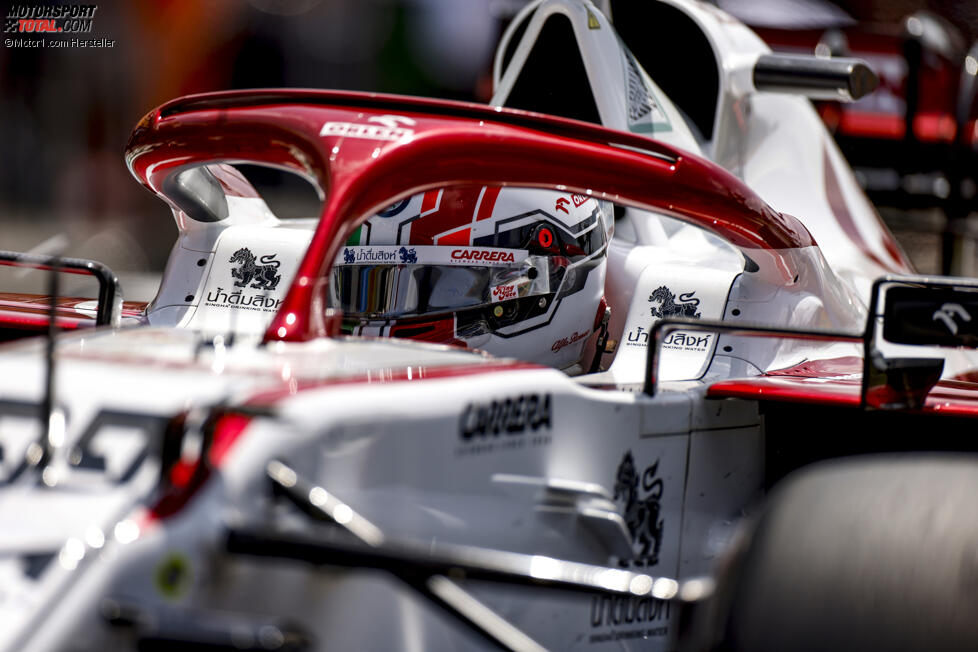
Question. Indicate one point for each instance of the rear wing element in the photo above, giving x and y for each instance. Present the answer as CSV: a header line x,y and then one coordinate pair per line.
x,y
906,315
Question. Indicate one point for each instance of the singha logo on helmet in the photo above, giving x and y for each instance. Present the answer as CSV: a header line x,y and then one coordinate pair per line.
x,y
261,277
408,256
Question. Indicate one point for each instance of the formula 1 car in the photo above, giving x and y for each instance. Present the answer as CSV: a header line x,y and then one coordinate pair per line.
x,y
472,403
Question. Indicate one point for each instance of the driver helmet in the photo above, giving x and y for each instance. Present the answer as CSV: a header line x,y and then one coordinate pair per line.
x,y
515,272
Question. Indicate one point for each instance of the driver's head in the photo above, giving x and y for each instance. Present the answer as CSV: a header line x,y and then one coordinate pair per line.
x,y
512,271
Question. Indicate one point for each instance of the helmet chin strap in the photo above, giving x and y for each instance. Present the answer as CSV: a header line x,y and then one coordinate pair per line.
x,y
601,328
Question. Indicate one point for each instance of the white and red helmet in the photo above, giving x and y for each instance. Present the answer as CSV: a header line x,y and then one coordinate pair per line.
x,y
512,271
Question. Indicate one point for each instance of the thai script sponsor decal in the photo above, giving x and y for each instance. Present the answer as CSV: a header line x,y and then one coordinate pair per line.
x,y
249,271
353,255
383,127
237,299
483,255
567,341
579,200
620,610
505,424
664,304
638,495
676,341
261,276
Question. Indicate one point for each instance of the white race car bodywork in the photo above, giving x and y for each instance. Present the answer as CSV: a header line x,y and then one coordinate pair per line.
x,y
427,443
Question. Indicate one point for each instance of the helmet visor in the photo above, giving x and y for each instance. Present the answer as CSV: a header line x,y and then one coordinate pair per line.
x,y
397,281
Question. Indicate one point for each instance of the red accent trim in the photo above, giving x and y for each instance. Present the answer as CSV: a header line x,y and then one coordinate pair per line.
x,y
488,202
437,331
452,145
187,479
545,238
947,397
29,312
384,376
430,201
796,390
837,202
844,366
456,209
461,237
226,433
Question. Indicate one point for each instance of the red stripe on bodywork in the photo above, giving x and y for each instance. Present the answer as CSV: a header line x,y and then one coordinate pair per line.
x,y
947,397
837,202
405,374
844,366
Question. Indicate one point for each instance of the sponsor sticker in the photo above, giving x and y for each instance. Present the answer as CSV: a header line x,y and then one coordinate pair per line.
x,y
504,292
383,127
510,423
430,255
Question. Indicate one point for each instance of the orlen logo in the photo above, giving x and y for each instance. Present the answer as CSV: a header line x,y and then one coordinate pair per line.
x,y
503,292
388,127
484,256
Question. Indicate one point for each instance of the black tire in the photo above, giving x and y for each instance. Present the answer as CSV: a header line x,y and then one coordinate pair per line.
x,y
862,554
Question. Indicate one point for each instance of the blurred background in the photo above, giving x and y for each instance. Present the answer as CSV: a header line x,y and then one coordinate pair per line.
x,y
65,114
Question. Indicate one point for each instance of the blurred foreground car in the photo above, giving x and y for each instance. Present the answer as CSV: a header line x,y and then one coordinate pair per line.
x,y
229,470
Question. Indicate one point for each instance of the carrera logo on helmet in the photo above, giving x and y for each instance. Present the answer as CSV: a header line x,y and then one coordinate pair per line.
x,y
503,292
484,256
